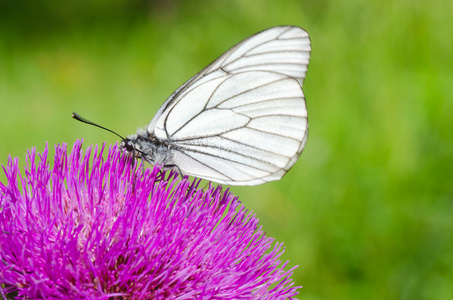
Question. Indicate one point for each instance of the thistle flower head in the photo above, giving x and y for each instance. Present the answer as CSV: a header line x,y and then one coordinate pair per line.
x,y
100,229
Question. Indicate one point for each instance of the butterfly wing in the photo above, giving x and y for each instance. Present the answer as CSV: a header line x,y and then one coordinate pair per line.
x,y
243,119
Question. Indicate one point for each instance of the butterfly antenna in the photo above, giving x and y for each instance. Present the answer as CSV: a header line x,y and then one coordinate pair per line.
x,y
79,118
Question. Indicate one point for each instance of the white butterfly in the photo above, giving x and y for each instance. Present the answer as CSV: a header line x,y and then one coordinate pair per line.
x,y
240,121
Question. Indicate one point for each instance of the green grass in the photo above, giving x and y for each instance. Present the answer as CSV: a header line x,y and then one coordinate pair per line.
x,y
365,213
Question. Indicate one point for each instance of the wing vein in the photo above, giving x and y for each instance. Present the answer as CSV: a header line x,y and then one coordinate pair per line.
x,y
230,160
200,162
231,151
249,90
268,132
251,146
264,101
276,51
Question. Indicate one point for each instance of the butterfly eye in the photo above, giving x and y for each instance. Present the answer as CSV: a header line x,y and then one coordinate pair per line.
x,y
128,145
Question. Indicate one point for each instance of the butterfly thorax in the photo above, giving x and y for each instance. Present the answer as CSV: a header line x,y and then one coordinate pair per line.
x,y
146,146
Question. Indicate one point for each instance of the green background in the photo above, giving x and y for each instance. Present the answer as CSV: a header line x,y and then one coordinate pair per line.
x,y
366,213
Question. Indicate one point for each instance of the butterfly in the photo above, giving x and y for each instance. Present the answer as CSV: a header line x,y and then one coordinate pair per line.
x,y
242,120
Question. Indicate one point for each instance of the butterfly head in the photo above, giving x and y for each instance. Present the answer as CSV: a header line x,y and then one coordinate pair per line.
x,y
140,146
128,145
132,146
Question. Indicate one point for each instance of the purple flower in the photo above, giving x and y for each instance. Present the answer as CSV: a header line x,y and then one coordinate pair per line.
x,y
100,229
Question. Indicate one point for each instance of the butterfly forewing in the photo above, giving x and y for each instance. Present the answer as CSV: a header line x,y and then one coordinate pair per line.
x,y
243,119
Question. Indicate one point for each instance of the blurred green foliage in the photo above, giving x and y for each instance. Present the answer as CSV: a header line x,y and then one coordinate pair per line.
x,y
367,211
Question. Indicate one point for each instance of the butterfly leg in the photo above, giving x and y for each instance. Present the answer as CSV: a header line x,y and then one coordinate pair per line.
x,y
143,165
175,167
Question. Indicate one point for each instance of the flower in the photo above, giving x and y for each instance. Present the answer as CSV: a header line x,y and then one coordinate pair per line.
x,y
103,229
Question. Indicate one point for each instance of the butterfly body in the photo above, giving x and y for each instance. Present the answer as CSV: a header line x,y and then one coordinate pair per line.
x,y
147,147
240,121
